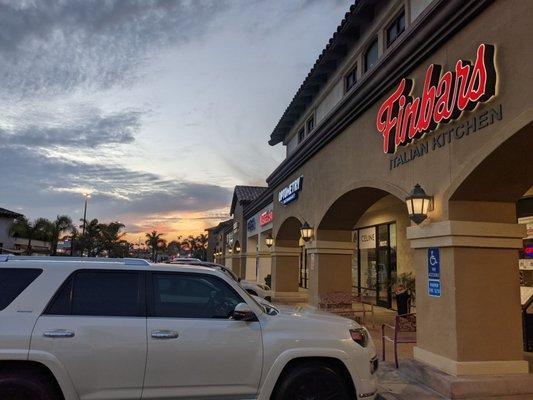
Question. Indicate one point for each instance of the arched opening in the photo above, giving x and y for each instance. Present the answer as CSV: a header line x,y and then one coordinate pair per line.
x,y
289,271
362,246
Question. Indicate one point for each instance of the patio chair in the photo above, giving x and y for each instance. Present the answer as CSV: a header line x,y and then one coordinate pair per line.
x,y
402,324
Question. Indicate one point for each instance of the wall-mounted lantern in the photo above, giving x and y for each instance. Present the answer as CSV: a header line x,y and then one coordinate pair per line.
x,y
269,241
418,204
237,248
306,231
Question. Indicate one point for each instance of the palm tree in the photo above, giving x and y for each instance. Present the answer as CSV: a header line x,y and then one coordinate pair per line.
x,y
23,228
154,241
201,243
74,236
90,241
111,239
61,224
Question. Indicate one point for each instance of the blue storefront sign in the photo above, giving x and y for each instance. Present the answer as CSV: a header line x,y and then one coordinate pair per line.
x,y
250,225
290,193
434,288
433,263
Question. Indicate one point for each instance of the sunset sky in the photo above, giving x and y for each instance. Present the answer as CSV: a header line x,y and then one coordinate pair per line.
x,y
158,108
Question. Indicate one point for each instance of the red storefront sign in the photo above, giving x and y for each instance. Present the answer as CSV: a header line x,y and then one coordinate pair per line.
x,y
266,217
402,118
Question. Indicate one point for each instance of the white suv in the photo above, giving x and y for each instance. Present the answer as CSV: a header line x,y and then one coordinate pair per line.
x,y
126,329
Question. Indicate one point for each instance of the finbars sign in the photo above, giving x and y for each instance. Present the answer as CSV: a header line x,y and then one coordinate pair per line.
x,y
402,118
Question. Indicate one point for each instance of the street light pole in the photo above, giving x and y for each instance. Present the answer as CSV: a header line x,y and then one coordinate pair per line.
x,y
87,196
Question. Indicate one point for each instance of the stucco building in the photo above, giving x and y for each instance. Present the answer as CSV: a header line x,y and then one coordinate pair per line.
x,y
7,217
436,93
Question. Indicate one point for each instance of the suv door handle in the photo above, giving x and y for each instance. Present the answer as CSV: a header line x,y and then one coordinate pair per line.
x,y
59,333
165,335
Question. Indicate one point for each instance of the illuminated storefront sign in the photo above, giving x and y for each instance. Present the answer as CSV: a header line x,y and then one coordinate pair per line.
x,y
402,118
266,217
250,225
290,193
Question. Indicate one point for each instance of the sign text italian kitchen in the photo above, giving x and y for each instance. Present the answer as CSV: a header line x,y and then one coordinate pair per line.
x,y
402,118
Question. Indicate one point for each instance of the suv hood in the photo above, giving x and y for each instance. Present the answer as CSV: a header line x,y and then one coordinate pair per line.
x,y
311,313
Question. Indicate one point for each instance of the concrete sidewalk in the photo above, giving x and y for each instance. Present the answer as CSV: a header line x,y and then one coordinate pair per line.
x,y
394,386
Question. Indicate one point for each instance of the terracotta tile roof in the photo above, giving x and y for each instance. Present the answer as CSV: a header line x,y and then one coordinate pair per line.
x,y
245,194
324,67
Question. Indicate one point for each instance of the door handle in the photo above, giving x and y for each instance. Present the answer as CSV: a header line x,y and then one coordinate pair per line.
x,y
165,335
59,333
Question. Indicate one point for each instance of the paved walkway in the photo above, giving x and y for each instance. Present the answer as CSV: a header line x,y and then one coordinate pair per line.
x,y
394,386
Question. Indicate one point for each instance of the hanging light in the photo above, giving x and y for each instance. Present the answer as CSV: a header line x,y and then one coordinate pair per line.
x,y
269,241
238,248
306,231
418,204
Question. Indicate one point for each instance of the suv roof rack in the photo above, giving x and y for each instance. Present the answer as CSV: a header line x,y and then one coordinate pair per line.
x,y
125,261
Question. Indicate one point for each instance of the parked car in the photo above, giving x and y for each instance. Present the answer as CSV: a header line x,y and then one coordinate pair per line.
x,y
86,328
254,288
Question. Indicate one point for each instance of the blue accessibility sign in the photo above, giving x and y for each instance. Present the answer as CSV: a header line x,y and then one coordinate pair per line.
x,y
434,288
433,263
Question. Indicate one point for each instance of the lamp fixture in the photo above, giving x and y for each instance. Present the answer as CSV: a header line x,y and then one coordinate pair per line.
x,y
306,231
269,241
418,204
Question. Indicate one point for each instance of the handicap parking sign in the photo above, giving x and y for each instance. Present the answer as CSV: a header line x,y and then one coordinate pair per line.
x,y
434,288
433,263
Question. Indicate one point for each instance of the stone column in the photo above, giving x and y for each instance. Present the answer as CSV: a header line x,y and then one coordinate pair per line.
x,y
474,327
285,272
264,256
330,268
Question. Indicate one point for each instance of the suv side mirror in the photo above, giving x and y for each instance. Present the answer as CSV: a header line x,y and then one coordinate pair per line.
x,y
243,312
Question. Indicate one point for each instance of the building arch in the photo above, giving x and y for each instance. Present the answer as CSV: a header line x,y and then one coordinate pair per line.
x,y
503,158
351,202
288,233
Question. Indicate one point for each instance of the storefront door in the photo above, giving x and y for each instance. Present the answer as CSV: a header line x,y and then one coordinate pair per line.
x,y
375,263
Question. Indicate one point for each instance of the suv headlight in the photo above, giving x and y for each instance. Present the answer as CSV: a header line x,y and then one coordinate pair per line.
x,y
359,336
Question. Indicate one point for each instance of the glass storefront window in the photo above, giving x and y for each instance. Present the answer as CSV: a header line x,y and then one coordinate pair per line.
x,y
375,266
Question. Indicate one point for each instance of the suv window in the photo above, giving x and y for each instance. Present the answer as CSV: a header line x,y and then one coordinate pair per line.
x,y
13,281
101,293
177,295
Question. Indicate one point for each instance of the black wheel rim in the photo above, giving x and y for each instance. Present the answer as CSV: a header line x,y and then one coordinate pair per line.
x,y
318,389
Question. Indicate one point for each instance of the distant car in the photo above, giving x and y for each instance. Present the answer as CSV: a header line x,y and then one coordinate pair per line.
x,y
255,289
97,328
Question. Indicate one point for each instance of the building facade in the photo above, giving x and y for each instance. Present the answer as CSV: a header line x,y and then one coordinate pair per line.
x,y
431,94
7,217
435,93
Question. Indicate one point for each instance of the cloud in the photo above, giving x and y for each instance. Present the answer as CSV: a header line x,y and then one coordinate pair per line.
x,y
53,185
90,130
49,47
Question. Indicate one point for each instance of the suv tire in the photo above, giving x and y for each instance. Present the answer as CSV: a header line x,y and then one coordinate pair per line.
x,y
312,381
26,385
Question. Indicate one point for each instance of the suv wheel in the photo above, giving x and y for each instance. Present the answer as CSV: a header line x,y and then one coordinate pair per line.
x,y
26,386
312,381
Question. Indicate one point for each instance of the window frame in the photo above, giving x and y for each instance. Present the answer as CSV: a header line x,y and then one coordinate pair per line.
x,y
310,119
301,130
353,69
150,309
375,40
395,23
71,280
